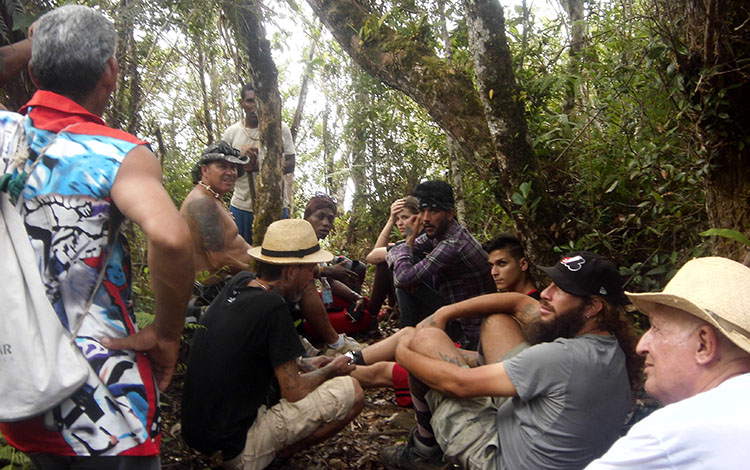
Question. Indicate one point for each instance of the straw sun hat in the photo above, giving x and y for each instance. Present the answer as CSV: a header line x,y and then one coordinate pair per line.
x,y
290,241
713,289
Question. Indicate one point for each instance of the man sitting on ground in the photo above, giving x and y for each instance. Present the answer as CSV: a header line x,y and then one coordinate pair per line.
x,y
231,408
220,251
509,267
697,364
510,270
454,268
570,390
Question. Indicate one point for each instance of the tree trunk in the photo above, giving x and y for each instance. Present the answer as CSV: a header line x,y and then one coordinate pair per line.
x,y
303,93
200,70
248,23
574,9
123,114
533,213
357,171
454,154
451,100
711,43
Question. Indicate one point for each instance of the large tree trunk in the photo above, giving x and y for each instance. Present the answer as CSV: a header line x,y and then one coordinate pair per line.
x,y
248,23
450,98
123,114
711,44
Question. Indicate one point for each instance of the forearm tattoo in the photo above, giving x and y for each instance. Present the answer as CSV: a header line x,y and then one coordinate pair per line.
x,y
452,359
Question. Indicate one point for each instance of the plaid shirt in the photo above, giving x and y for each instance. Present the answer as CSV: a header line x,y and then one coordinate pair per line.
x,y
456,266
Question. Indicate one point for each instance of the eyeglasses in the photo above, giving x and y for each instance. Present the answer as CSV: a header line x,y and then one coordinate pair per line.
x,y
326,196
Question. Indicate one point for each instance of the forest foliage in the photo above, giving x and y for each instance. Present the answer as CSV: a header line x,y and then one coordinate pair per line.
x,y
606,112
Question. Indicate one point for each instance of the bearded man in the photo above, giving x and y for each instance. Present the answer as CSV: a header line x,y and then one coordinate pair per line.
x,y
569,391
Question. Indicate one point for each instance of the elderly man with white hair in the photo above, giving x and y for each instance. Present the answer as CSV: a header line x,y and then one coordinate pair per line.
x,y
698,365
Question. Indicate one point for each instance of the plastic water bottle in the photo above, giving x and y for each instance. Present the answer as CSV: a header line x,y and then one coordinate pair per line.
x,y
326,292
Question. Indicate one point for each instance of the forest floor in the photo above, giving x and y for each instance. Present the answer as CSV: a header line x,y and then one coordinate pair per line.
x,y
381,423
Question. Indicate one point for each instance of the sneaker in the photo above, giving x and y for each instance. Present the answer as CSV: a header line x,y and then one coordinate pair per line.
x,y
409,456
345,344
310,350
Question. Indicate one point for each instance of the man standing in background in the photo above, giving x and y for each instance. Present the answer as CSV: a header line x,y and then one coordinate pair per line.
x,y
245,135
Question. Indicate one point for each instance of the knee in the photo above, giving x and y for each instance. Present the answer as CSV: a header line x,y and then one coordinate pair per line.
x,y
427,339
359,397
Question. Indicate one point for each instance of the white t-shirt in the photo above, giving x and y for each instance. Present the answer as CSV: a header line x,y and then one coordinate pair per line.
x,y
708,431
240,136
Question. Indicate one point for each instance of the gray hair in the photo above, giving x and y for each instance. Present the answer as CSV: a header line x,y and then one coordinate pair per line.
x,y
70,48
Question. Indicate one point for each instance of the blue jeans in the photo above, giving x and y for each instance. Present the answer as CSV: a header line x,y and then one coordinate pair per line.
x,y
244,221
418,305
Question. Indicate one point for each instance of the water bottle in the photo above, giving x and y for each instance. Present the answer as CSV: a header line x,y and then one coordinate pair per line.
x,y
326,292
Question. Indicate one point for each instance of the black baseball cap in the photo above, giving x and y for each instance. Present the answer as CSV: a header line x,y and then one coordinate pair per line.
x,y
584,273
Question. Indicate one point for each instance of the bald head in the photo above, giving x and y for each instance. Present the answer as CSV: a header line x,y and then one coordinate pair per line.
x,y
684,355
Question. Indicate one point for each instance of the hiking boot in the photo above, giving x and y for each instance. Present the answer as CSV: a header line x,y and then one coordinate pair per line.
x,y
345,344
413,456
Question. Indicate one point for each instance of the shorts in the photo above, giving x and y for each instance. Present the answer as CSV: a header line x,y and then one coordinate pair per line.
x,y
465,428
285,423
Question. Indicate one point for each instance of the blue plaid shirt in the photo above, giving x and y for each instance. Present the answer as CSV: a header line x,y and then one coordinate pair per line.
x,y
455,265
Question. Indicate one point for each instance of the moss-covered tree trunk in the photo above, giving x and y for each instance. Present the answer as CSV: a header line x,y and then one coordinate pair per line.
x,y
497,147
711,44
248,25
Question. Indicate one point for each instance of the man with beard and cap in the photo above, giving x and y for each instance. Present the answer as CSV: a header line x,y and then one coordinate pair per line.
x,y
570,391
697,358
220,251
454,268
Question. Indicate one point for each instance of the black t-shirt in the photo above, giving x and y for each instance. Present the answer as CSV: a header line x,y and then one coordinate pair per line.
x,y
243,335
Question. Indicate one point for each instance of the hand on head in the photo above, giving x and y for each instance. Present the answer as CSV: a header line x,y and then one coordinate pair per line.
x,y
396,207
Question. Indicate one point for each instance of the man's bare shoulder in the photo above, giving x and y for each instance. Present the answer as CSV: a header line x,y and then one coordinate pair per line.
x,y
196,199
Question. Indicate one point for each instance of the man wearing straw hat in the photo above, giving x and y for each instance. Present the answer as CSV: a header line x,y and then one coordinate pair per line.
x,y
232,409
698,365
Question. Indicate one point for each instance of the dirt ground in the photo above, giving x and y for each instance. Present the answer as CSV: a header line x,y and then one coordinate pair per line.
x,y
381,423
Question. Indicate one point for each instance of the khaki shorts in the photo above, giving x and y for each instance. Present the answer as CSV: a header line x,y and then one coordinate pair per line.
x,y
285,423
465,428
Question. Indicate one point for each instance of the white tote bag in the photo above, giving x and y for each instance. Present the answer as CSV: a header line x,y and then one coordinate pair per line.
x,y
39,364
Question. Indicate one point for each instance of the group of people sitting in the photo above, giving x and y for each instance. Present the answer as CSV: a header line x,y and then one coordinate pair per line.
x,y
515,379
500,374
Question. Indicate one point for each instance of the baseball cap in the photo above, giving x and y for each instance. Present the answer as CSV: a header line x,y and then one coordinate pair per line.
x,y
584,273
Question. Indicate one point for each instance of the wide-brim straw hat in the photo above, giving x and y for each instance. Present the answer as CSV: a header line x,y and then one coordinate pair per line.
x,y
714,289
290,241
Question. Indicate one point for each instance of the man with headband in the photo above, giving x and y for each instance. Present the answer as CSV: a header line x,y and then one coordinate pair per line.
x,y
249,394
454,269
220,251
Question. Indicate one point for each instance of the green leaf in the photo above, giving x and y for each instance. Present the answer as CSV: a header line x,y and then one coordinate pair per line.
x,y
727,233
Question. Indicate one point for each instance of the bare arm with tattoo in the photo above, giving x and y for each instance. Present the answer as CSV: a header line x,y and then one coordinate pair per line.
x,y
520,306
443,367
219,248
296,384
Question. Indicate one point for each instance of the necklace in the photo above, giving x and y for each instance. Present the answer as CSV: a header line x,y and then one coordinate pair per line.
x,y
209,189
217,196
247,134
257,282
